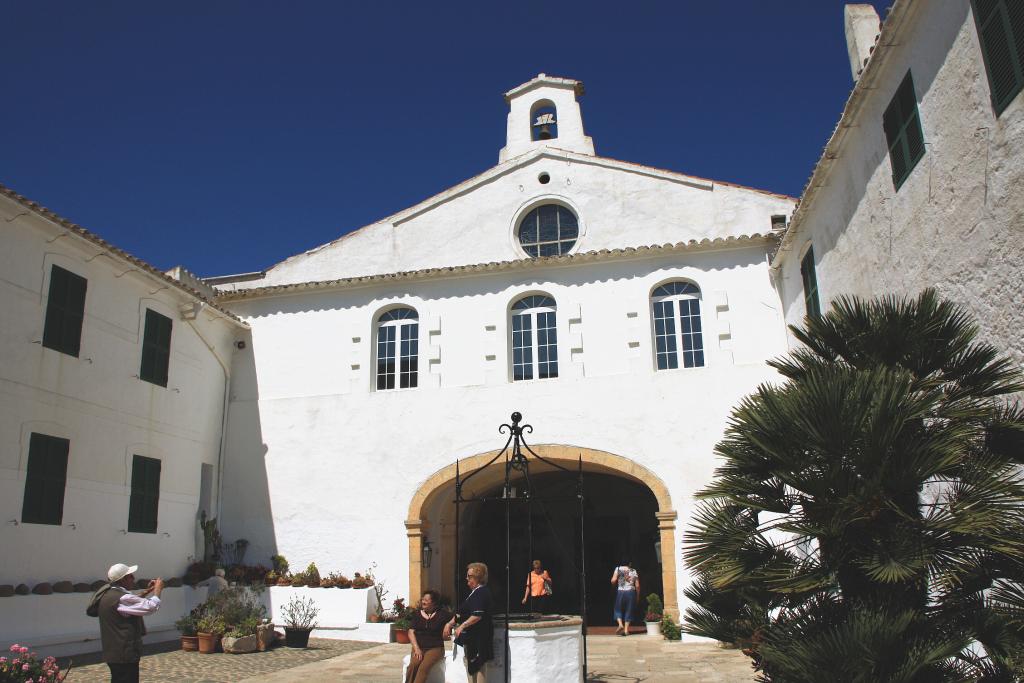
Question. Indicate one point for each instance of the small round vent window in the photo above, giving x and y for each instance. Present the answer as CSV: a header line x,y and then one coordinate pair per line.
x,y
548,230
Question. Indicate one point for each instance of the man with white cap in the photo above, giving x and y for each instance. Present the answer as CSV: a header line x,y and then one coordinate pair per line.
x,y
121,626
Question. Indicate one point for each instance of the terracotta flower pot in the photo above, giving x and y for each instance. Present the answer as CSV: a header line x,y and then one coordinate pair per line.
x,y
402,636
207,643
190,643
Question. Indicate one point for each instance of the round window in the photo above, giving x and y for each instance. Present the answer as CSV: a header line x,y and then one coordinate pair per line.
x,y
548,230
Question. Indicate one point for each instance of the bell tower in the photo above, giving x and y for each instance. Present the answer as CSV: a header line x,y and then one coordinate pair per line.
x,y
543,112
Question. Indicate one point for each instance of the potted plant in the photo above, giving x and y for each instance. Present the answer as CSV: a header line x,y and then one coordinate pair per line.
x,y
401,629
400,617
312,576
652,618
187,627
209,629
299,620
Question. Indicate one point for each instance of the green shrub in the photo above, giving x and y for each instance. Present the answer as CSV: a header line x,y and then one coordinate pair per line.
x,y
669,628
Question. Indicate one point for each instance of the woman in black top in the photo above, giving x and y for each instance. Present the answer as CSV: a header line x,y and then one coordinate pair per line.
x,y
476,632
426,633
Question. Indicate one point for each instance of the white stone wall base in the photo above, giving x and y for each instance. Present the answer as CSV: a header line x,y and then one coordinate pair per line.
x,y
552,655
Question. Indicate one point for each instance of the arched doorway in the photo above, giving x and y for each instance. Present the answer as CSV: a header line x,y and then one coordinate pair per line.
x,y
628,512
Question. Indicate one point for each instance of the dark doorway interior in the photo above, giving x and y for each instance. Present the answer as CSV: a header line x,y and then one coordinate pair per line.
x,y
620,521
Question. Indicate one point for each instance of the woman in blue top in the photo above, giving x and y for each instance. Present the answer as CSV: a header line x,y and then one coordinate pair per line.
x,y
476,632
628,583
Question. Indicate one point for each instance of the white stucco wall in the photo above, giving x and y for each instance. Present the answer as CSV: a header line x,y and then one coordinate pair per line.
x,y
955,224
99,404
320,467
618,205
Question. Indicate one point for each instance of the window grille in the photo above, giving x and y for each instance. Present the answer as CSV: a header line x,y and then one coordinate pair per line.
x,y
397,349
534,338
685,339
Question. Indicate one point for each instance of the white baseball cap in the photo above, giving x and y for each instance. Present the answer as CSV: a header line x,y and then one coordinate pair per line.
x,y
119,571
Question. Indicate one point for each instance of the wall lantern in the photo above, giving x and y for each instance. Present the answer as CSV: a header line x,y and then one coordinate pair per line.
x,y
657,551
427,554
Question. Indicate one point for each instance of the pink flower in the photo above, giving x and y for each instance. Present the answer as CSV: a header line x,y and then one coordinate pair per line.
x,y
25,667
22,650
3,659
15,647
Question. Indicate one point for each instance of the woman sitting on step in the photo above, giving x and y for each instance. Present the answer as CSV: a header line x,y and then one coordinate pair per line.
x,y
426,633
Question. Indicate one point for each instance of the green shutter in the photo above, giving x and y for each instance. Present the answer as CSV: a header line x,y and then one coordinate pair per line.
x,y
902,125
156,348
65,310
810,278
1001,33
45,480
145,498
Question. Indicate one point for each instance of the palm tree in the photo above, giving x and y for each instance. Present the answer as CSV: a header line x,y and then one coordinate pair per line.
x,y
867,523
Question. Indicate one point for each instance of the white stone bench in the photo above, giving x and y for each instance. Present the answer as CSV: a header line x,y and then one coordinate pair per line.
x,y
445,671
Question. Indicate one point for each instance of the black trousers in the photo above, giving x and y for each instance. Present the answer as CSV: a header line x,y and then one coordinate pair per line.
x,y
538,603
124,672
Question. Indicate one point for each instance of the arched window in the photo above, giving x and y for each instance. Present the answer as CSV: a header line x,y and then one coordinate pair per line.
x,y
672,333
398,330
548,230
534,338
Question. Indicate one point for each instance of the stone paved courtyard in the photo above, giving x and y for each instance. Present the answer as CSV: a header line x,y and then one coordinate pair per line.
x,y
611,660
166,662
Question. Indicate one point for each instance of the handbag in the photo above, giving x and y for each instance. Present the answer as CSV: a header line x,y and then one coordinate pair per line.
x,y
547,587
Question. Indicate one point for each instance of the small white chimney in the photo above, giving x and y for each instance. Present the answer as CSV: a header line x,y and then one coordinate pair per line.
x,y
862,28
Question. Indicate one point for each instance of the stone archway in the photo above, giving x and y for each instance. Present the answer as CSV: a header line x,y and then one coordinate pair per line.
x,y
418,522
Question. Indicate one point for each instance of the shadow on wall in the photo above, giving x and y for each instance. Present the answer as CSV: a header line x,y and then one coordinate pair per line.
x,y
849,190
245,494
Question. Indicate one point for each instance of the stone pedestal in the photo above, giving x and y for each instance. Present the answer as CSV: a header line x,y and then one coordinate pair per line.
x,y
550,651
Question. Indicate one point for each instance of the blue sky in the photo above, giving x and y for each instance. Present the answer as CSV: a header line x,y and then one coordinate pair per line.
x,y
226,135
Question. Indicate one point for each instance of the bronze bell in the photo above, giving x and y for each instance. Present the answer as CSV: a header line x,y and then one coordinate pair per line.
x,y
543,125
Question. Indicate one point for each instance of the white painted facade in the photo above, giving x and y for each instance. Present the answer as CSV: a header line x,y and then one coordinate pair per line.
x,y
955,223
321,465
99,404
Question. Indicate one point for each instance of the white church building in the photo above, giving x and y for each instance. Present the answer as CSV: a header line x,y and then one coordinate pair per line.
x,y
622,309
319,409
